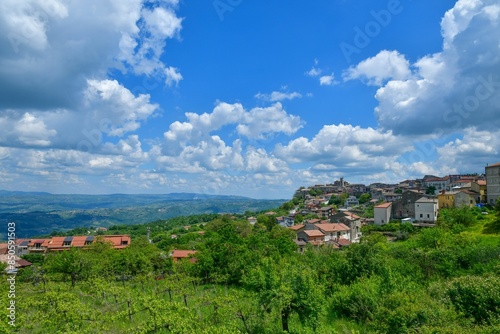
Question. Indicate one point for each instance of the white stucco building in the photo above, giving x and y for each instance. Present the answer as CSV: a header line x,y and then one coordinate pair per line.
x,y
382,213
426,210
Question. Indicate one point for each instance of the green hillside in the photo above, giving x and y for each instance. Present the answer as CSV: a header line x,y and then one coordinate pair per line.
x,y
251,279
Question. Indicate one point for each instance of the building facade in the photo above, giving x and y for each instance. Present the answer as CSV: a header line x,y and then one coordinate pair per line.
x,y
426,210
493,183
382,213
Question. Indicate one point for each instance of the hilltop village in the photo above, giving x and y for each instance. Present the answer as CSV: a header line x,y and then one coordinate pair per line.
x,y
340,209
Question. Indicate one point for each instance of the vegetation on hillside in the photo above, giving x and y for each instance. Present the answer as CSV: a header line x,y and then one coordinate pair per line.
x,y
251,279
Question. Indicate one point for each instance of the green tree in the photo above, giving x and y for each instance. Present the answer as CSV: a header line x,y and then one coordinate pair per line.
x,y
476,297
452,217
73,264
287,288
267,221
364,198
430,190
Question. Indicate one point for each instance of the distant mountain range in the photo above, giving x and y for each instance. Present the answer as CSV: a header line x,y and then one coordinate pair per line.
x,y
37,213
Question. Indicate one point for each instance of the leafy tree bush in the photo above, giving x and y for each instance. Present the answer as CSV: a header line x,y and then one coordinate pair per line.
x,y
476,297
364,198
358,301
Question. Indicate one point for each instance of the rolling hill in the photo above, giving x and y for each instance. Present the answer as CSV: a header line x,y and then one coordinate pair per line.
x,y
41,213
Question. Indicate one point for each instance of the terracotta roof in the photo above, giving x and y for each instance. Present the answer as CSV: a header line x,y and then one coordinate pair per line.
x,y
350,214
448,193
332,227
481,182
179,254
494,165
58,243
297,227
79,241
343,242
437,179
22,242
19,262
383,205
4,248
43,242
314,233
117,241
314,221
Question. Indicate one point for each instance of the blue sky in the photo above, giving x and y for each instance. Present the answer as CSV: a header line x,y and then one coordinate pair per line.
x,y
252,98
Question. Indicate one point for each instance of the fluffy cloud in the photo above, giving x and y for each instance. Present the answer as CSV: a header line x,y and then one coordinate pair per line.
x,y
260,122
49,49
327,80
472,151
385,65
172,76
113,103
33,131
278,96
254,124
453,89
345,147
107,109
192,146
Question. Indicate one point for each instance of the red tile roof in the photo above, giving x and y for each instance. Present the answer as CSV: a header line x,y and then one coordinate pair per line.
x,y
494,165
343,242
350,214
57,243
178,254
384,205
297,227
314,233
181,254
333,227
18,261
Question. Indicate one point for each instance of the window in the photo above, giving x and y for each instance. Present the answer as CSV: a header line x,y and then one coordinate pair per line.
x,y
89,240
67,241
124,242
38,245
428,216
421,215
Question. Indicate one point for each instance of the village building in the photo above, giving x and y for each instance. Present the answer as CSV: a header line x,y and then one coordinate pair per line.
x,y
426,210
382,213
493,183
